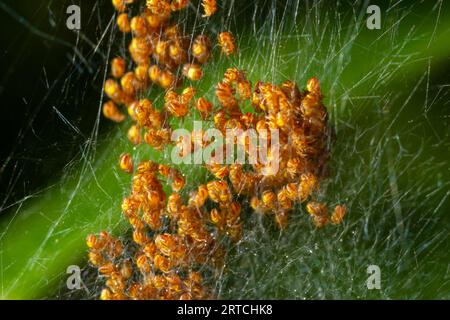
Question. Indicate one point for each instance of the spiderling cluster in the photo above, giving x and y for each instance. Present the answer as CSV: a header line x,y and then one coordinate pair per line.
x,y
173,241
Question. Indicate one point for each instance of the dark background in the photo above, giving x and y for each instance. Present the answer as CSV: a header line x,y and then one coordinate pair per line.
x,y
50,89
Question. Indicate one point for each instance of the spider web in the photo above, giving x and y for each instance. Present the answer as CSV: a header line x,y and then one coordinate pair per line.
x,y
388,97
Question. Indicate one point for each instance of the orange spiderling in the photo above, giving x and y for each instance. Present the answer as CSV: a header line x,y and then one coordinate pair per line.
x,y
227,43
134,135
118,67
338,214
112,112
192,71
123,23
126,163
210,7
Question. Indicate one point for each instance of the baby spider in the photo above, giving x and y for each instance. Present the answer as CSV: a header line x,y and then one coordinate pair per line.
x,y
338,214
201,48
118,67
210,7
227,43
192,71
112,112
126,163
123,23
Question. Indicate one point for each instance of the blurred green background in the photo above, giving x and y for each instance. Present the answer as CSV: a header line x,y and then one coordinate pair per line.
x,y
387,92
